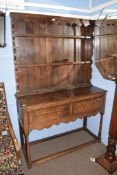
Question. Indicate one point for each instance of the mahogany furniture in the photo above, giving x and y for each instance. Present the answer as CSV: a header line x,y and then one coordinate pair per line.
x,y
52,58
106,61
10,160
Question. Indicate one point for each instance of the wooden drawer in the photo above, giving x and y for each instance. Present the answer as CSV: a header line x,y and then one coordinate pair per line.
x,y
46,117
89,107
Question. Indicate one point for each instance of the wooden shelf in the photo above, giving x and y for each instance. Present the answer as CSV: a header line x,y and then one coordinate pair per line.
x,y
54,64
52,36
105,35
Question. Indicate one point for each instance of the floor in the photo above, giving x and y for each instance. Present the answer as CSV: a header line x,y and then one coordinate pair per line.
x,y
75,163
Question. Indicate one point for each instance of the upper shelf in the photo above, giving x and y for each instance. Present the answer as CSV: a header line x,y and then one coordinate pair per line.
x,y
51,52
105,35
54,64
27,25
52,36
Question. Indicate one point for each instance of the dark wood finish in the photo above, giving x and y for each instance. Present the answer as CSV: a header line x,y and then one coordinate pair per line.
x,y
52,57
106,61
71,104
100,129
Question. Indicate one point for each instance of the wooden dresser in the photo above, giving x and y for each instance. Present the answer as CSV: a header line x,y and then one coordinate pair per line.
x,y
52,57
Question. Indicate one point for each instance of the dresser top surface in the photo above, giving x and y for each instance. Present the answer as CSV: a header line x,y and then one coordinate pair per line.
x,y
60,97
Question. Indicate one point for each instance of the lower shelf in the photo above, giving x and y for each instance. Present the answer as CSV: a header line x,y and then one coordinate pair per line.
x,y
63,144
59,154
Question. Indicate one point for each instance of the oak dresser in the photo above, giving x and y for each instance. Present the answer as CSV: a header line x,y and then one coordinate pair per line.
x,y
52,58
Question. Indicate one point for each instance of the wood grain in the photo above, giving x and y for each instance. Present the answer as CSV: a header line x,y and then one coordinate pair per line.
x,y
53,73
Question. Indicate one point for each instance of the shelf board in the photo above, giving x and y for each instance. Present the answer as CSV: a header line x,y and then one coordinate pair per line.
x,y
105,35
54,64
52,36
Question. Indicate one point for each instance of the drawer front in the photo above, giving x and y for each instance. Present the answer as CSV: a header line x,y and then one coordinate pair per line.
x,y
47,117
89,107
62,111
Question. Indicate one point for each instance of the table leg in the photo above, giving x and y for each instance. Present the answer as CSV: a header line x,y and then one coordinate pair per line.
x,y
28,154
100,126
21,134
85,122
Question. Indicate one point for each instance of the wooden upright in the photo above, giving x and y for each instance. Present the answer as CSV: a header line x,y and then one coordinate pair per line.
x,y
52,57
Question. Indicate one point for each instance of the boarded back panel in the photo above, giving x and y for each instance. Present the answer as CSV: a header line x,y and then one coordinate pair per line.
x,y
50,52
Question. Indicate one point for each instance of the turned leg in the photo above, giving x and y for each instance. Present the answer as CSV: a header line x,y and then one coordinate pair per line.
x,y
21,135
28,154
100,126
85,122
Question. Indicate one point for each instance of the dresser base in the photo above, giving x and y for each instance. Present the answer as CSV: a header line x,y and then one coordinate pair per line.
x,y
94,140
40,111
